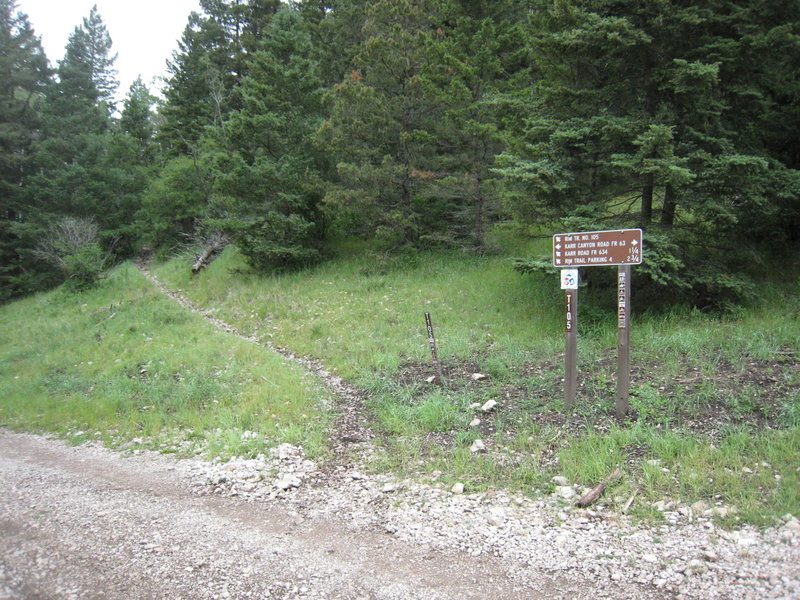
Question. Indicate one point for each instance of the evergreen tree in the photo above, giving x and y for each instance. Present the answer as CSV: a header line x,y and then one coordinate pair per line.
x,y
484,40
130,164
337,30
383,124
208,66
650,107
267,178
73,177
24,75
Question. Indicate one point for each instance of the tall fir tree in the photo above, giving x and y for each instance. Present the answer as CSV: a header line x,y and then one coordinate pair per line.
x,y
383,123
268,183
209,64
72,177
24,75
644,114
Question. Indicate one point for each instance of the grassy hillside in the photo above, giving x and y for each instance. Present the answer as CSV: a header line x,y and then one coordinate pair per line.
x,y
123,363
716,400
710,395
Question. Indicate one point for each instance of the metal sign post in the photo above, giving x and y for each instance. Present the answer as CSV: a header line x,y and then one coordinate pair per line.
x,y
434,354
620,247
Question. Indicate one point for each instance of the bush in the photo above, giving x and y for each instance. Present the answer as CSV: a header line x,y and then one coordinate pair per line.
x,y
72,246
279,241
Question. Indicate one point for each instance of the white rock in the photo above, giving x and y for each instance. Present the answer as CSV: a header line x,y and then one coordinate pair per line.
x,y
457,488
560,480
489,406
388,488
745,541
699,507
431,379
475,422
288,452
651,558
565,492
477,446
478,377
287,481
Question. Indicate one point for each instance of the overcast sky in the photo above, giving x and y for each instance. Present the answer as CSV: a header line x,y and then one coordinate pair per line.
x,y
144,32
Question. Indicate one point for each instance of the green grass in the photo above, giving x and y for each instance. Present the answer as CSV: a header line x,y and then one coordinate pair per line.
x,y
711,394
363,315
122,362
359,318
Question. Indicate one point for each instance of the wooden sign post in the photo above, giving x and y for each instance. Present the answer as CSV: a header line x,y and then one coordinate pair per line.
x,y
571,349
620,247
569,283
623,341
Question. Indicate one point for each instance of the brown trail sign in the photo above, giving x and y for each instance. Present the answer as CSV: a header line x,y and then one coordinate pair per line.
x,y
597,248
620,247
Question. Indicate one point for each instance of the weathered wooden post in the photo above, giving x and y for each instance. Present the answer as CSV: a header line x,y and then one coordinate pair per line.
x,y
434,354
569,283
623,341
621,247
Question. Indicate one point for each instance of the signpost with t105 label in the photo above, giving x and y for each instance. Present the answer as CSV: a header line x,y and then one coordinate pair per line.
x,y
621,248
569,283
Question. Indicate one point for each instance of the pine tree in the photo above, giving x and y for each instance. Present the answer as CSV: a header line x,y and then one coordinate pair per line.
x,y
483,41
24,75
209,65
73,177
267,171
383,124
644,115
130,163
138,120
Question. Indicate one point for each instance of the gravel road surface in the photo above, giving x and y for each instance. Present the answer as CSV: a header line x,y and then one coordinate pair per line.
x,y
85,522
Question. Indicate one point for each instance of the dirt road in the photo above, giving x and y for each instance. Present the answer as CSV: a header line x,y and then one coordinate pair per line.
x,y
84,522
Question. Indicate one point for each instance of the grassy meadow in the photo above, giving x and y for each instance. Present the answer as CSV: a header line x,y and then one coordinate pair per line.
x,y
715,399
123,363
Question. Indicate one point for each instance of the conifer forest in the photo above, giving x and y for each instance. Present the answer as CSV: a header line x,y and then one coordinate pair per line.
x,y
413,125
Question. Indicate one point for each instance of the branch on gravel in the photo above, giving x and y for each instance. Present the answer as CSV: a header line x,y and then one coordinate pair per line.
x,y
592,495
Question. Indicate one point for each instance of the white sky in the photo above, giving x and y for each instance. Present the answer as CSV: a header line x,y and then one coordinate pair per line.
x,y
144,33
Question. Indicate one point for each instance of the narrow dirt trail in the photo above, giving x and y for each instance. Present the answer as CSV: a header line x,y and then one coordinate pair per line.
x,y
84,522
351,433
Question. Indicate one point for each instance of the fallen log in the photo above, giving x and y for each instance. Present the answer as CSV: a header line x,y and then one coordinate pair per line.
x,y
592,495
206,256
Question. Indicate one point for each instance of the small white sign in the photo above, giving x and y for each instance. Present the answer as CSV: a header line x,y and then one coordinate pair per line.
x,y
569,279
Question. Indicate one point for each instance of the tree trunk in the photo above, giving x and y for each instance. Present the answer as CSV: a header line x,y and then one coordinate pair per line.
x,y
647,200
479,214
206,256
668,212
